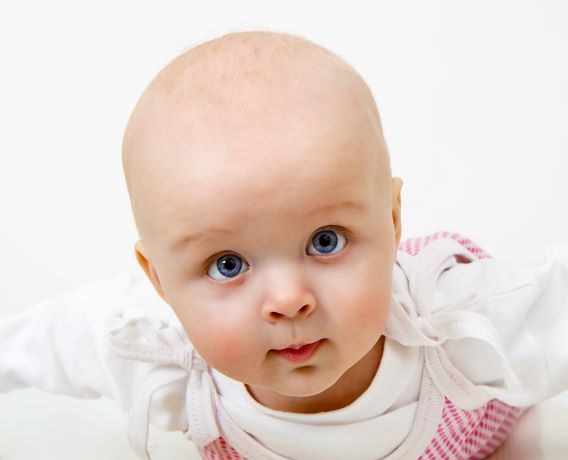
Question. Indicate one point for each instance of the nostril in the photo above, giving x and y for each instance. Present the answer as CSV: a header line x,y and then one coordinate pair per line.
x,y
304,310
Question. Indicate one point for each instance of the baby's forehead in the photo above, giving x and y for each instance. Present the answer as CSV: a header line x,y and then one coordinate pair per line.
x,y
262,161
237,198
281,134
247,175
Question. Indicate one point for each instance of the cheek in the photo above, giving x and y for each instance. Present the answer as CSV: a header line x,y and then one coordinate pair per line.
x,y
363,297
222,342
371,305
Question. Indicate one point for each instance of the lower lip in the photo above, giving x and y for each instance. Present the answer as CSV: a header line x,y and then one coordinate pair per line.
x,y
301,354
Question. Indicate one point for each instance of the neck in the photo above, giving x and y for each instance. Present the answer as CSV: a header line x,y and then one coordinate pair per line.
x,y
347,389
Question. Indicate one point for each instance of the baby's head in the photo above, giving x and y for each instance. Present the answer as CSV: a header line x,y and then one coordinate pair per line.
x,y
268,218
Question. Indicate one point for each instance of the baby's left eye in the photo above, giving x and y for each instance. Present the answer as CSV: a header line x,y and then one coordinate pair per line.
x,y
327,241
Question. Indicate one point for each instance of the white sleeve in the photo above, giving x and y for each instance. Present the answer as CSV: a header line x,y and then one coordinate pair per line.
x,y
60,345
528,307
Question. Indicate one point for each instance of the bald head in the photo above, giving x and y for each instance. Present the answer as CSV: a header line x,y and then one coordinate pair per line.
x,y
220,71
229,85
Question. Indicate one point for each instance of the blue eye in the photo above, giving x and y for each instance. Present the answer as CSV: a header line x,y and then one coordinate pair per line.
x,y
327,242
226,267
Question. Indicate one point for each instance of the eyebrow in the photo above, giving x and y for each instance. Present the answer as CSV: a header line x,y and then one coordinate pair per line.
x,y
343,205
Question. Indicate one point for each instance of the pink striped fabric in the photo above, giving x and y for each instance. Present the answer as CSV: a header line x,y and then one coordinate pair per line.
x,y
414,245
473,434
220,450
461,434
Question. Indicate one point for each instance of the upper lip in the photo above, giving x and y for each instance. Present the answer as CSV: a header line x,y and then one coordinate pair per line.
x,y
297,345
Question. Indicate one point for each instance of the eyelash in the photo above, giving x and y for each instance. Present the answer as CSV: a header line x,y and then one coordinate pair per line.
x,y
342,231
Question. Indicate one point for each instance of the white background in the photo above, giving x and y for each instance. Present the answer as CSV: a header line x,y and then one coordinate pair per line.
x,y
474,103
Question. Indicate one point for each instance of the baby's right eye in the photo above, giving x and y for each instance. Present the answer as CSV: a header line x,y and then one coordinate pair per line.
x,y
226,266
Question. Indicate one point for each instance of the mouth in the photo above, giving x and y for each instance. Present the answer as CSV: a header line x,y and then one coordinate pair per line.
x,y
298,353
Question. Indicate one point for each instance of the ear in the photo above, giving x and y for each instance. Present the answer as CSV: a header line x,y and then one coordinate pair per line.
x,y
396,187
146,264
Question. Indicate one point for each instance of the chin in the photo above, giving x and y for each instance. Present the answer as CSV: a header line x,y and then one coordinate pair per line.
x,y
305,387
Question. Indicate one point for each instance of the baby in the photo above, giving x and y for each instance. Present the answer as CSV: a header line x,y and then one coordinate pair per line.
x,y
268,218
269,222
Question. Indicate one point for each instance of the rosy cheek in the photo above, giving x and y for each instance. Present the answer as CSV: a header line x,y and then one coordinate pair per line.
x,y
373,302
225,347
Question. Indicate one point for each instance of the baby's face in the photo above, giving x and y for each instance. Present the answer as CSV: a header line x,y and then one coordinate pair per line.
x,y
273,233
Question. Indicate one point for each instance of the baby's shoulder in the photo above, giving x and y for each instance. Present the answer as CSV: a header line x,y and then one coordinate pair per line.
x,y
457,269
140,315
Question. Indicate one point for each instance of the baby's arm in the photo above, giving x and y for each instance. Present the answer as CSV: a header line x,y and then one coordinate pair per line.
x,y
57,345
60,345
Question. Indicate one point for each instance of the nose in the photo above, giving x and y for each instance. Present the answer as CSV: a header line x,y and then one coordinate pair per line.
x,y
287,295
